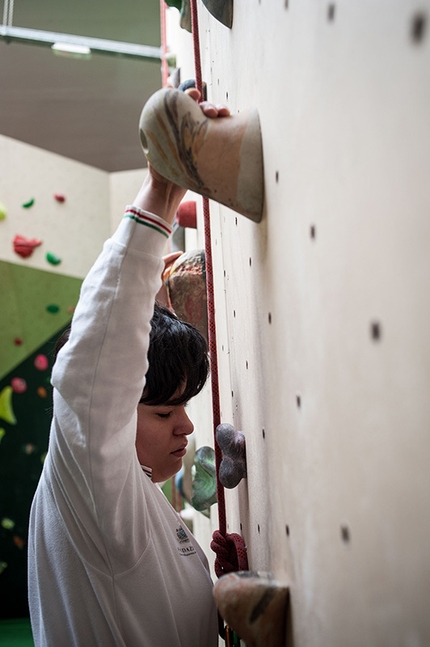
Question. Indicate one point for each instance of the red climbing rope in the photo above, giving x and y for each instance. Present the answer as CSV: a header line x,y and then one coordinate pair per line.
x,y
164,64
229,548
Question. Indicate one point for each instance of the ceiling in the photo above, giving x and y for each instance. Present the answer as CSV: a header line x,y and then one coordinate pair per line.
x,y
87,110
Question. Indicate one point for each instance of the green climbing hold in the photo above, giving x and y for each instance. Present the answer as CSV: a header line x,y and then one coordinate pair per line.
x,y
53,259
53,308
6,408
28,204
204,479
3,211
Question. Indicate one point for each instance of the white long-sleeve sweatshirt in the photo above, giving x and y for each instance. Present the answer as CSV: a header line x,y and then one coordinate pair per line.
x,y
110,562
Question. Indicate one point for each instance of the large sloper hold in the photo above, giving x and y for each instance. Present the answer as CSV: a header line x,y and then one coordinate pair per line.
x,y
254,605
222,10
221,159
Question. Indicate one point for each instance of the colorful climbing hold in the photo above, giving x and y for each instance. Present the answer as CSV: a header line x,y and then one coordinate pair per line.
x,y
19,541
2,433
25,246
41,362
204,479
3,212
53,308
19,385
28,204
18,341
7,524
53,259
59,197
6,409
28,448
42,392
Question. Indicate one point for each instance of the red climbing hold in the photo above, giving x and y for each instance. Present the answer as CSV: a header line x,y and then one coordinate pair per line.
x,y
25,246
59,197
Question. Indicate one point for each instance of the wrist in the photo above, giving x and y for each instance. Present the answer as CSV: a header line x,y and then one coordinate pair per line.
x,y
159,196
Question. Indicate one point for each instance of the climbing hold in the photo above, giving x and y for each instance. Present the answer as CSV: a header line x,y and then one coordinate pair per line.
x,y
6,410
18,341
25,246
28,448
18,541
204,479
59,197
232,468
3,565
28,204
172,121
19,385
3,212
222,10
53,308
186,215
42,392
254,605
53,259
41,362
2,433
186,288
7,524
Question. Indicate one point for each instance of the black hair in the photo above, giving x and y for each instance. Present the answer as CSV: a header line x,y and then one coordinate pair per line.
x,y
178,360
177,356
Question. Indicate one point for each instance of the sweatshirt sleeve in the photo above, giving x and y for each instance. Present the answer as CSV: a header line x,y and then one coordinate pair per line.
x,y
98,377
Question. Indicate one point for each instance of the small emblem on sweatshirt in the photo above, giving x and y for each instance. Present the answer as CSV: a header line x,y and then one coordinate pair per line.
x,y
181,535
184,551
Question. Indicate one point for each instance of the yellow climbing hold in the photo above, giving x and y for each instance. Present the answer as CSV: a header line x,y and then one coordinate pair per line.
x,y
3,211
6,410
2,433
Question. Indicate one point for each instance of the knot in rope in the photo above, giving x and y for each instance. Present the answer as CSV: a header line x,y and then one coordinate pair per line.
x,y
230,552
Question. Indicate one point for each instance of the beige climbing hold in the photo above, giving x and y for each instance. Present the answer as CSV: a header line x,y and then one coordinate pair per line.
x,y
221,159
254,605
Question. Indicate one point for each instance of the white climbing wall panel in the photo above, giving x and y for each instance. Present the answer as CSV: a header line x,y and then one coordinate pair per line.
x,y
323,309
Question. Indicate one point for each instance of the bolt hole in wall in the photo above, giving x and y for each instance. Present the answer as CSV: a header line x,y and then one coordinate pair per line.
x,y
419,27
313,232
375,330
299,401
331,10
345,534
263,433
287,530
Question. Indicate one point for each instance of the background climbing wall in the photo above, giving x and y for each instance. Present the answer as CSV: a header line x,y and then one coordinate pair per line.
x,y
323,309
37,299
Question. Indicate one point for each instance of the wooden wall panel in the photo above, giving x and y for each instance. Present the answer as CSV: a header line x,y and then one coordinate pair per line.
x,y
323,308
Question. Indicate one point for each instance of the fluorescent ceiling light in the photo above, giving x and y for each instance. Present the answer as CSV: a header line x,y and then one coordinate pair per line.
x,y
71,51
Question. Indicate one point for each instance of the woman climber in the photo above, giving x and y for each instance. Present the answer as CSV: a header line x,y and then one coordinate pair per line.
x,y
110,561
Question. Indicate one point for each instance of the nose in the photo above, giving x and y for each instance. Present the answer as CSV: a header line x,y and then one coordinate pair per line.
x,y
184,425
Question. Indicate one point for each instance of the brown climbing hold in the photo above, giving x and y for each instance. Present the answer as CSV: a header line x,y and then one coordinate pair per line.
x,y
254,605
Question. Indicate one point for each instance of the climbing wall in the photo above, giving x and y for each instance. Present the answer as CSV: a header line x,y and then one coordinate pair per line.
x,y
69,209
323,309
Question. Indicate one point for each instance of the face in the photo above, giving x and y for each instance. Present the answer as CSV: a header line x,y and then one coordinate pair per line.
x,y
161,438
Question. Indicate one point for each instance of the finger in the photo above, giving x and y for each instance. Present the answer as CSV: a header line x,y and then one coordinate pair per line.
x,y
171,258
193,93
223,111
209,109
